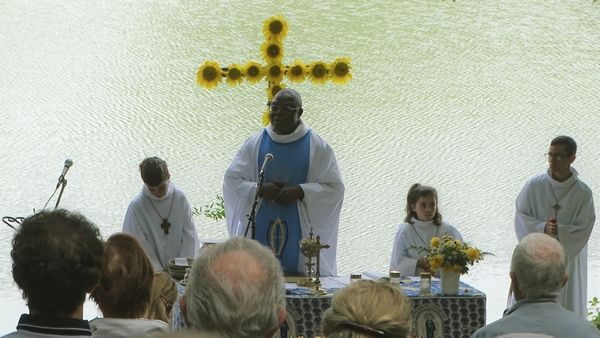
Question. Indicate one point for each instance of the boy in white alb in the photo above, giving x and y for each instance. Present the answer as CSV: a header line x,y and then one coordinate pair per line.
x,y
160,216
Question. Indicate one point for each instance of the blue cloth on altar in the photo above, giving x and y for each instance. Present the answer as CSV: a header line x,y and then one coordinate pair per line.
x,y
278,226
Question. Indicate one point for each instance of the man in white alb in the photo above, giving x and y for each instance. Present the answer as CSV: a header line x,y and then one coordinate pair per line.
x,y
559,204
302,187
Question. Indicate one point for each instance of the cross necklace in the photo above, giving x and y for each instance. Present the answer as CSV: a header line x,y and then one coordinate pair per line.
x,y
557,206
437,229
165,225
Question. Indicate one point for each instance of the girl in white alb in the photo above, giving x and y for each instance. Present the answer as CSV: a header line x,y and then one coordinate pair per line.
x,y
423,221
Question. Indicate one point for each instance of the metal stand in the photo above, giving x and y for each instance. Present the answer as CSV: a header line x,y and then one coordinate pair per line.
x,y
63,184
252,216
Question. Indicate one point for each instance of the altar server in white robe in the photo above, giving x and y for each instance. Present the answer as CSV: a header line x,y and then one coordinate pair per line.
x,y
559,204
423,221
160,217
302,188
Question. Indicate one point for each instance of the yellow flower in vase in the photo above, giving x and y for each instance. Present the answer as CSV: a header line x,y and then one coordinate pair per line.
x,y
318,72
272,51
274,73
234,75
296,72
209,75
275,27
435,242
253,72
340,71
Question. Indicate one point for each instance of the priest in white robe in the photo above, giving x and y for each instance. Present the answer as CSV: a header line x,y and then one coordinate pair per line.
x,y
160,217
302,188
559,204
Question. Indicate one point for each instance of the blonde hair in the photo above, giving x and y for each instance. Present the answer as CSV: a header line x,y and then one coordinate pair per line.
x,y
367,309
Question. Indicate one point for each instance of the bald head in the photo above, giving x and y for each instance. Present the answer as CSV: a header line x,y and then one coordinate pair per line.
x,y
539,265
290,95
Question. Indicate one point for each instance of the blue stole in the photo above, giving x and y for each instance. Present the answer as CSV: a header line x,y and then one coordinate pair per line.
x,y
278,226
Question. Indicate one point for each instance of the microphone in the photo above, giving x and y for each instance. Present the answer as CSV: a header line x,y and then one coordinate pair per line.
x,y
268,159
68,164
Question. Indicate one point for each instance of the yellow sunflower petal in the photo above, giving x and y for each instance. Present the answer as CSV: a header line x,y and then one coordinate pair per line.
x,y
272,51
318,72
340,71
209,75
275,27
274,72
234,75
273,89
265,118
253,72
296,71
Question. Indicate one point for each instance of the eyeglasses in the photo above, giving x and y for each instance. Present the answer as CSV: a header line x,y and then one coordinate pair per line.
x,y
273,108
557,157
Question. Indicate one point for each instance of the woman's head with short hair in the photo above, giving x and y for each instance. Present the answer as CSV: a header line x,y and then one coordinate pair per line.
x,y
126,282
368,309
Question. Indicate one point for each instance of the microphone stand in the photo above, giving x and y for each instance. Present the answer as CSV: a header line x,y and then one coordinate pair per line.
x,y
63,184
252,216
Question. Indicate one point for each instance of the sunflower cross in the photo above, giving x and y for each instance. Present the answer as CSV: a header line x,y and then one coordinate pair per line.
x,y
275,29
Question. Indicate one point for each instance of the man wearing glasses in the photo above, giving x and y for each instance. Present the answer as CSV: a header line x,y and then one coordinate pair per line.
x,y
302,187
560,205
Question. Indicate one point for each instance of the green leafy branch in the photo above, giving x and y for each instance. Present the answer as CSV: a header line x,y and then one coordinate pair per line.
x,y
594,312
215,210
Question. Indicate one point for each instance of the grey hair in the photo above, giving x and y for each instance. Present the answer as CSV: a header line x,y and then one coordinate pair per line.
x,y
539,262
231,299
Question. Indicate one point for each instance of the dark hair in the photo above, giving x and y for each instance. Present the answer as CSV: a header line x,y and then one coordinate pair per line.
x,y
567,141
154,171
127,275
57,256
417,190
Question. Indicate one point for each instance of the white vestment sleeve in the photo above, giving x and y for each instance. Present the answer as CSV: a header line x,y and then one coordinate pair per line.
x,y
189,237
320,208
239,186
525,222
400,260
132,227
574,236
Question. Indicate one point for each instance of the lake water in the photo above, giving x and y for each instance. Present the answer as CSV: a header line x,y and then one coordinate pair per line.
x,y
464,96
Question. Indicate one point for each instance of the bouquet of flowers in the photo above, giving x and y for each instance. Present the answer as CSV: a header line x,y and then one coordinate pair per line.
x,y
452,254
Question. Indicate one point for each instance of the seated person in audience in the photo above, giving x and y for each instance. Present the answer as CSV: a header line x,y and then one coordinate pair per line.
x,y
163,297
423,221
123,294
57,257
368,309
538,272
160,216
235,290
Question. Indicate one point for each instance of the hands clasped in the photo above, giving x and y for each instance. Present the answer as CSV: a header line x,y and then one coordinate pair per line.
x,y
280,193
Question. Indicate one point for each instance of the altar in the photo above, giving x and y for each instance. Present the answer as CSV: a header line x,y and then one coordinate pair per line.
x,y
454,316
446,316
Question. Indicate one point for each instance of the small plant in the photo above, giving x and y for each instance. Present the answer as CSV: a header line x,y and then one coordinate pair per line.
x,y
594,312
451,254
215,210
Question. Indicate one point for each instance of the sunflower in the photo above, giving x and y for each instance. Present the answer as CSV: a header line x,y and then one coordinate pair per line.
x,y
274,72
340,71
272,51
234,75
296,71
265,118
275,27
209,75
318,72
273,89
253,72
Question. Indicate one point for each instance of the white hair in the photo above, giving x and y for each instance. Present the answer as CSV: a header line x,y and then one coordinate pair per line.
x,y
539,262
236,289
